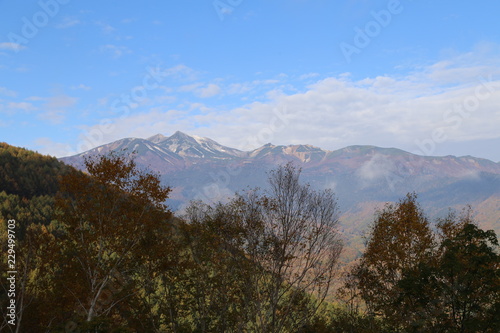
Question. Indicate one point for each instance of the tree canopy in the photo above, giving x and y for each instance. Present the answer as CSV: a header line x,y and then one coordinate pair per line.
x,y
101,252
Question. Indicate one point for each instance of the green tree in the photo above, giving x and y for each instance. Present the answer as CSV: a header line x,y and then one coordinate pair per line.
x,y
468,276
32,217
162,303
28,174
418,282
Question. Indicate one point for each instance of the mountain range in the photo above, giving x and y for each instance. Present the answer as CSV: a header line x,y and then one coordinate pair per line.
x,y
363,177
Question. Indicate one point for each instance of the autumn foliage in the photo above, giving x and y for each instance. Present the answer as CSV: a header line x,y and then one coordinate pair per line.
x,y
99,251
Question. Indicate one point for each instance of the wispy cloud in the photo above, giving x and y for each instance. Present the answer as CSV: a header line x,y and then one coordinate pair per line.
x,y
308,76
115,51
201,90
7,92
61,101
11,47
56,108
378,167
190,87
128,20
35,98
22,106
81,87
209,91
22,69
47,146
53,116
105,27
182,73
333,112
68,22
239,88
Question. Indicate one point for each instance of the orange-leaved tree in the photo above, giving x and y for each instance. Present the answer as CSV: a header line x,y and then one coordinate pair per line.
x,y
401,245
108,215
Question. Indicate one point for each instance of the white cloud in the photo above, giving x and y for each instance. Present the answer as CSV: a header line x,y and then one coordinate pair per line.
x,y
265,82
114,50
209,91
105,27
53,116
11,46
68,22
22,69
7,92
49,147
376,168
56,108
81,87
190,87
61,101
200,90
181,72
23,106
239,88
36,98
308,76
128,20
406,112
199,106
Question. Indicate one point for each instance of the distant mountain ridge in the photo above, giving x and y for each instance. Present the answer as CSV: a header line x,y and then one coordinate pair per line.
x,y
191,148
364,166
363,177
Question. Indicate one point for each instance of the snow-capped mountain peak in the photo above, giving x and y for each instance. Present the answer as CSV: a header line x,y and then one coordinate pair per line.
x,y
194,146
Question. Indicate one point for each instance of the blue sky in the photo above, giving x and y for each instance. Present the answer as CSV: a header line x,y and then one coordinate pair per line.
x,y
423,76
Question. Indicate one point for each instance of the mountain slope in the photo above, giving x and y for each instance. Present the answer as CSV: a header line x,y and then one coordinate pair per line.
x,y
27,174
28,185
363,177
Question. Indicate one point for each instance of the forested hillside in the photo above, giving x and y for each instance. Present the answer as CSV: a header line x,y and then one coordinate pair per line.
x,y
101,252
27,174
